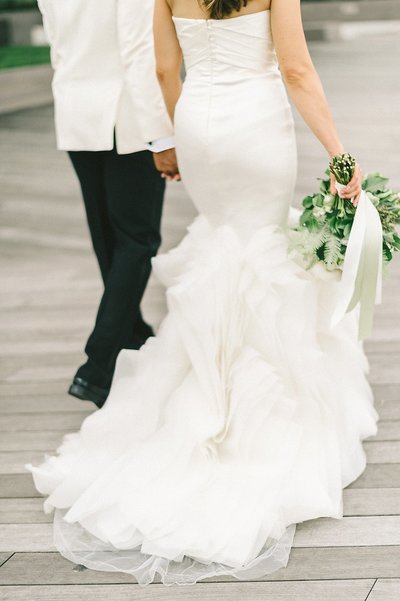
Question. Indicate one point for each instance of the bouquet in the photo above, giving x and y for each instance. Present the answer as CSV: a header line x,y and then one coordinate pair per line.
x,y
326,221
352,240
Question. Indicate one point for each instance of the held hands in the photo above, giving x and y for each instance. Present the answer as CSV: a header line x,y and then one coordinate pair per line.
x,y
353,189
167,164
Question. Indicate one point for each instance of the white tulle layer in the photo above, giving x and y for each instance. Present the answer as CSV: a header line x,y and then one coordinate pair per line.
x,y
79,546
242,418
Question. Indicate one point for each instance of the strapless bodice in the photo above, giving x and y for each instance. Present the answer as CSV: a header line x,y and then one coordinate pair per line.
x,y
227,49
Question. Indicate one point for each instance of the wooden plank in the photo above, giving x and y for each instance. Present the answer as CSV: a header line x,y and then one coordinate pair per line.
x,y
357,502
43,300
44,421
46,365
17,399
371,501
384,371
386,392
52,569
388,430
328,590
388,409
323,532
45,388
350,531
20,485
44,406
65,333
23,511
3,558
35,441
324,563
52,397
26,537
64,344
17,485
386,590
12,371
383,452
13,462
389,345
383,475
383,345
42,367
40,238
47,322
55,281
45,403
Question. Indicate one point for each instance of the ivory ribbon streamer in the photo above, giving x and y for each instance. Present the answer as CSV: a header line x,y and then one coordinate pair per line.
x,y
361,281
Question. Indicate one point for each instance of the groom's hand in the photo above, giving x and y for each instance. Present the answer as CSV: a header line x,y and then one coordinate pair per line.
x,y
167,164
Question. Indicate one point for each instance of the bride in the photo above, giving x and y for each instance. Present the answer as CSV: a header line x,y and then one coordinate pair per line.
x,y
246,414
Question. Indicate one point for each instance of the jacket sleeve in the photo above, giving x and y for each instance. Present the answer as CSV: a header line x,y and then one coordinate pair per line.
x,y
135,38
49,24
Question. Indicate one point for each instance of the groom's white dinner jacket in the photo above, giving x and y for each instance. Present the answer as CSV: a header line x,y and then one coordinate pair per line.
x,y
103,56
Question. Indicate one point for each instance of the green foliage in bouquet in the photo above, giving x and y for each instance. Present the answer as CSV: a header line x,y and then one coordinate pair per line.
x,y
326,220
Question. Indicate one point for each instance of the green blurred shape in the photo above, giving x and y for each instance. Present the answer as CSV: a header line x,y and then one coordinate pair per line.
x,y
23,56
17,4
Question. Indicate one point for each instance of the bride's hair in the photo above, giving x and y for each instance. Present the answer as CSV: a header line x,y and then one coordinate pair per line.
x,y
218,9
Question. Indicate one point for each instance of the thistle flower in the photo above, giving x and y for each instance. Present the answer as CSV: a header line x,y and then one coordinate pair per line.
x,y
342,166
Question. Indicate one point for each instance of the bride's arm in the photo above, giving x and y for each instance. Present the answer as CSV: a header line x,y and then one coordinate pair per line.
x,y
302,80
168,55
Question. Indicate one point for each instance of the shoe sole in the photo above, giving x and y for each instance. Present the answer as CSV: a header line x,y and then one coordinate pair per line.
x,y
82,394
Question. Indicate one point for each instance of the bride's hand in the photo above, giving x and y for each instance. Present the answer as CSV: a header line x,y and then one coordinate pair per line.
x,y
353,189
167,164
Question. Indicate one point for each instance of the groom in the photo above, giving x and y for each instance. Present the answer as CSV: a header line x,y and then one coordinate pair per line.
x,y
110,117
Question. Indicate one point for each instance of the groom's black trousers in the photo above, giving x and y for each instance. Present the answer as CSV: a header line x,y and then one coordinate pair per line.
x,y
123,197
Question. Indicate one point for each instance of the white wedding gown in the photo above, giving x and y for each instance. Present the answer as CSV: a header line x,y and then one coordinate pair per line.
x,y
245,414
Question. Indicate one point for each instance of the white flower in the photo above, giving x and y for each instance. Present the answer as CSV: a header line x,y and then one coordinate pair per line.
x,y
319,213
329,202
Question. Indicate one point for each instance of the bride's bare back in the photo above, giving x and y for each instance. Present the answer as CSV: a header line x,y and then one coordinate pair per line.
x,y
193,9
296,67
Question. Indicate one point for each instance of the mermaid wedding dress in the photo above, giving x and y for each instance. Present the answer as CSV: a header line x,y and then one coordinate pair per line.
x,y
245,415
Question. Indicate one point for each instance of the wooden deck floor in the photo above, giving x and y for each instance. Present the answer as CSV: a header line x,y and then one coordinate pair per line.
x,y
50,287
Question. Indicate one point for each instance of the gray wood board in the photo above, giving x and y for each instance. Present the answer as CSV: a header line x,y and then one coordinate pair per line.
x,y
386,590
307,563
328,590
322,532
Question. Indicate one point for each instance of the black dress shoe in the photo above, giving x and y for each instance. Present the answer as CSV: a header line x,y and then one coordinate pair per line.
x,y
88,392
